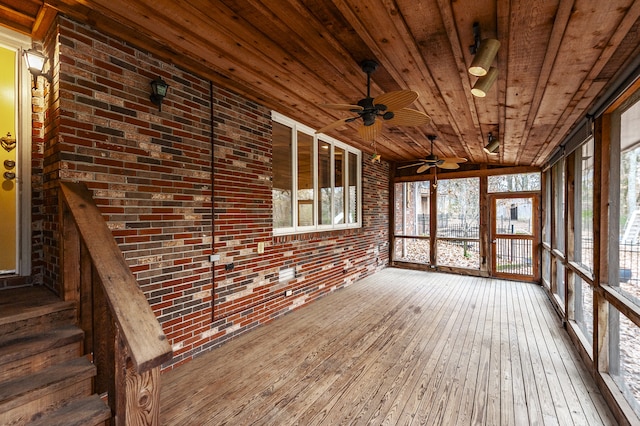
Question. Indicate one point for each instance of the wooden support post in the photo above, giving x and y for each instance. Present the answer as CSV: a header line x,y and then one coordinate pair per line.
x,y
485,236
602,162
433,220
138,394
70,256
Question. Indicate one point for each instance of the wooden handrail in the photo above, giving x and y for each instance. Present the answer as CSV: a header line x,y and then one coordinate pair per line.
x,y
138,326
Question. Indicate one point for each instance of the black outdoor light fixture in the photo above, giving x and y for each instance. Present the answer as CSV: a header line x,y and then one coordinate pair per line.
x,y
158,92
36,61
493,145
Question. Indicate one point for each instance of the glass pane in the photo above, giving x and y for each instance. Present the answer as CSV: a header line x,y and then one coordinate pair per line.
x,y
459,208
546,234
514,216
459,254
515,183
324,183
546,267
305,179
624,356
558,205
583,241
339,193
412,208
414,250
560,279
353,188
399,206
584,307
282,192
627,274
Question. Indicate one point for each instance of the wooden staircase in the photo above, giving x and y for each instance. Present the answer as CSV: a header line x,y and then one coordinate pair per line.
x,y
44,378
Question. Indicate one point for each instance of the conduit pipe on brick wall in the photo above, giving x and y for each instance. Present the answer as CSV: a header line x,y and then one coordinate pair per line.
x,y
213,154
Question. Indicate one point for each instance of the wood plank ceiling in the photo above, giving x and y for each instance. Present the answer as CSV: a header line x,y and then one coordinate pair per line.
x,y
556,59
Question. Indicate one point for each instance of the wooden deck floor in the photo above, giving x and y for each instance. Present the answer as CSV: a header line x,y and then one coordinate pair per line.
x,y
400,347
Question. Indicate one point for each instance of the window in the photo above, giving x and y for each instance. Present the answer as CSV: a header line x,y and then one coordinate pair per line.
x,y
514,183
558,231
583,219
458,232
624,249
316,180
546,231
583,238
412,222
624,266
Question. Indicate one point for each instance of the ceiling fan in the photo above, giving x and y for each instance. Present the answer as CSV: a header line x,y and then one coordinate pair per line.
x,y
433,160
389,107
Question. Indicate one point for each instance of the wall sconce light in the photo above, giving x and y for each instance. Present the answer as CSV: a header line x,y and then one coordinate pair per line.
x,y
484,83
36,61
158,92
493,145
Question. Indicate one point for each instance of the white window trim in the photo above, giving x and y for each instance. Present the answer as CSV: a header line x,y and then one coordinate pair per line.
x,y
299,127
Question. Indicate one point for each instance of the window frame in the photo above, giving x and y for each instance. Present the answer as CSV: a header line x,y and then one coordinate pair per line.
x,y
296,128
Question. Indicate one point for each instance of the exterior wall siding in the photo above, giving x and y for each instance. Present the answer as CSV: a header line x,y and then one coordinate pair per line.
x,y
192,180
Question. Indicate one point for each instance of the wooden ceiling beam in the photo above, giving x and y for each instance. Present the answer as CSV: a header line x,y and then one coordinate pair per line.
x,y
559,27
588,91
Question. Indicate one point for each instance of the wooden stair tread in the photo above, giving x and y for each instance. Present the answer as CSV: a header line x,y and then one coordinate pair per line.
x,y
17,391
24,347
9,316
86,411
16,300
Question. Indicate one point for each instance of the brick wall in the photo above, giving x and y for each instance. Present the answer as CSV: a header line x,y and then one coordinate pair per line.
x,y
178,185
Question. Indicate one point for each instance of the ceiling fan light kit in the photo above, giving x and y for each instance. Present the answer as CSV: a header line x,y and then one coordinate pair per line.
x,y
389,107
432,160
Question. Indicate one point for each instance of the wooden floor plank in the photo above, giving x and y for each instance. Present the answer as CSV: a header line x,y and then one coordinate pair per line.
x,y
507,402
446,398
400,347
465,410
434,375
575,377
327,387
417,352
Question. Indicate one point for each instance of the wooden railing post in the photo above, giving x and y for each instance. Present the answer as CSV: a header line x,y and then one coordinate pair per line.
x,y
70,256
125,337
138,394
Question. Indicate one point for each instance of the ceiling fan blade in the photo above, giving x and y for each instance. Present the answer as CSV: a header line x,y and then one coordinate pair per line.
x,y
333,125
342,107
369,133
408,117
396,100
449,166
423,168
410,165
454,160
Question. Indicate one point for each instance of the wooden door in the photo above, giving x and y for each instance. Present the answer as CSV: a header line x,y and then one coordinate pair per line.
x,y
515,236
